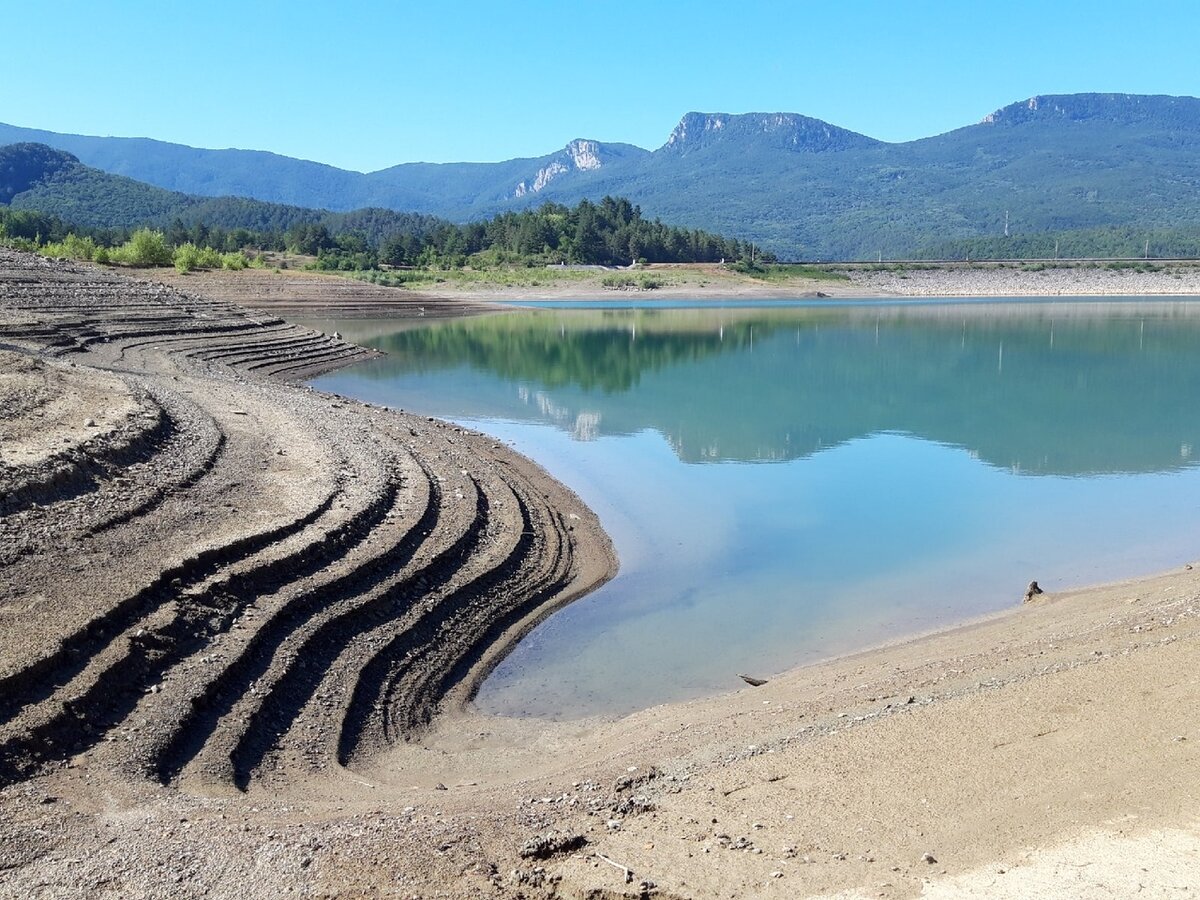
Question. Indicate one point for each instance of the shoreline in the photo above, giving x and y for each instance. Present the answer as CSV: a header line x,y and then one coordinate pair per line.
x,y
843,774
299,293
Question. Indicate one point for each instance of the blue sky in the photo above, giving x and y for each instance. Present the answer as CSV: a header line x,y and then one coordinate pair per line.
x,y
365,85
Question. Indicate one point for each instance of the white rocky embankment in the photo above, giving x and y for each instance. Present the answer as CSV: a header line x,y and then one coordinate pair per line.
x,y
1018,281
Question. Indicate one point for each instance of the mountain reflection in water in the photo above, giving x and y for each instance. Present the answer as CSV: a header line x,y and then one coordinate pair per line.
x,y
899,440
1057,390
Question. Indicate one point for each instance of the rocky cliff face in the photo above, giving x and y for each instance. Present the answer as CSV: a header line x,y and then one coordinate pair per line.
x,y
787,131
577,156
1121,109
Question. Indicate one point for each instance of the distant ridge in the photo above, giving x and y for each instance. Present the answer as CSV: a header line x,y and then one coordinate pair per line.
x,y
796,185
1121,109
785,131
37,177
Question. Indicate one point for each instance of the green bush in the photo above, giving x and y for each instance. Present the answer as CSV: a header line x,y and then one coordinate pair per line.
x,y
618,282
144,249
71,247
186,258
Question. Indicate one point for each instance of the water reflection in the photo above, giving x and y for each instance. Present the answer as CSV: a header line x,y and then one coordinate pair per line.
x,y
1066,389
787,483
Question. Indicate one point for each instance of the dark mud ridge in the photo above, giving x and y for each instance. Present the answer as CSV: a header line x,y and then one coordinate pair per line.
x,y
214,576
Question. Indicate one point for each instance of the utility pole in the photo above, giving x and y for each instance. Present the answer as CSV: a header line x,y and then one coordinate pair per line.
x,y
1056,249
1147,248
1006,223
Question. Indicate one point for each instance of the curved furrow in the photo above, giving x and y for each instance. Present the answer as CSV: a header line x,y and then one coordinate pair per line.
x,y
314,365
376,716
216,344
350,578
232,330
115,685
292,610
81,468
411,701
41,679
192,450
268,365
202,466
323,645
270,342
185,331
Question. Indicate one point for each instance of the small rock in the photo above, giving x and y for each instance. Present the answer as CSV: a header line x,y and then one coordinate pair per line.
x,y
89,423
552,844
929,858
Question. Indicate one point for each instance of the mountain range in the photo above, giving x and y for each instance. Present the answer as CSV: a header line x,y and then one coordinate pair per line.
x,y
798,186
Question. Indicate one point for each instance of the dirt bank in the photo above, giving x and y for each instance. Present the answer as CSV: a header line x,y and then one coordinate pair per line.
x,y
239,617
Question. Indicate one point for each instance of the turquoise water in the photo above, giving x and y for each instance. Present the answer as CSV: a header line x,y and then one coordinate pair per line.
x,y
788,482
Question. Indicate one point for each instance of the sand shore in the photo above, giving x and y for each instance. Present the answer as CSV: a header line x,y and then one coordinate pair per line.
x,y
298,293
191,722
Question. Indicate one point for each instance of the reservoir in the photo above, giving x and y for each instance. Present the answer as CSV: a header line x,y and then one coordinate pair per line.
x,y
785,482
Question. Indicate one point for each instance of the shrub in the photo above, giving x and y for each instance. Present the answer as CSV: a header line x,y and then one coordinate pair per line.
x,y
72,247
145,248
618,282
186,258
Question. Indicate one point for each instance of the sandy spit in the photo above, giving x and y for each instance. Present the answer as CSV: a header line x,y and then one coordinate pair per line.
x,y
1047,751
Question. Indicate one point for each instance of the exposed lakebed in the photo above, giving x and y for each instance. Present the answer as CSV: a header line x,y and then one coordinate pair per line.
x,y
785,482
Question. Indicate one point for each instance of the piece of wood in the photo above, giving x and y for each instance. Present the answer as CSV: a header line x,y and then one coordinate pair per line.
x,y
612,862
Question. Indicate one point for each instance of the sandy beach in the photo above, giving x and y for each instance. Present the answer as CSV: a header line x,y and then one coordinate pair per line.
x,y
243,621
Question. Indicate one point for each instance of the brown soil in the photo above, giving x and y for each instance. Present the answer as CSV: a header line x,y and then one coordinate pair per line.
x,y
295,293
242,619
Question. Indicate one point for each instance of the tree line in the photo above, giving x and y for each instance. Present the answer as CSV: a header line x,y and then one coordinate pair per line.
x,y
609,233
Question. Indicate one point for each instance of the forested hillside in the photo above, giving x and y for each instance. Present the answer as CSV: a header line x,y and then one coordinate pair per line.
x,y
51,194
803,188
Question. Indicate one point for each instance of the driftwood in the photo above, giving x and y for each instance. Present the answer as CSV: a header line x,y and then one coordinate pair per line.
x,y
612,862
753,682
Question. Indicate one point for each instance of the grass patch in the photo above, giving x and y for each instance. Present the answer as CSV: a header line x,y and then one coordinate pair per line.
x,y
504,277
783,272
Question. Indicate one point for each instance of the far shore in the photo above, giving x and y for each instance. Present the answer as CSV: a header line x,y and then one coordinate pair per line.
x,y
314,294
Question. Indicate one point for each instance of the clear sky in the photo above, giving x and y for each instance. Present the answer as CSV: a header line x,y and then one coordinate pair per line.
x,y
364,84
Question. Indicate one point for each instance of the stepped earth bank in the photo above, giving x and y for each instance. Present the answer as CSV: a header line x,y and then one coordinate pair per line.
x,y
209,572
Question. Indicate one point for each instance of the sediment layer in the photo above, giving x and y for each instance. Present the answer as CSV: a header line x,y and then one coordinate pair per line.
x,y
213,577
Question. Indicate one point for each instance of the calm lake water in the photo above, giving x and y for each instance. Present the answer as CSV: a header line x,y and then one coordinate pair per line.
x,y
785,482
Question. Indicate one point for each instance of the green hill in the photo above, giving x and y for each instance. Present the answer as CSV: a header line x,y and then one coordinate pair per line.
x,y
37,178
803,188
